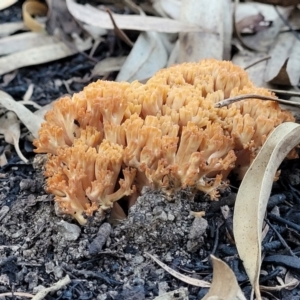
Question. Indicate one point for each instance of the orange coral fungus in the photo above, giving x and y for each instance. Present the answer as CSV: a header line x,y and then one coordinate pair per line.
x,y
111,139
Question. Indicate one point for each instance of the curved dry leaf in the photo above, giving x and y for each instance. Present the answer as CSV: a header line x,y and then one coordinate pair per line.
x,y
224,284
10,128
253,195
214,16
286,46
29,119
98,18
41,54
108,65
23,41
168,8
10,28
32,8
7,3
186,279
147,56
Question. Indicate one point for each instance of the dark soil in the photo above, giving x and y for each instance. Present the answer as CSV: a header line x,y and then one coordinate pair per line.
x,y
104,261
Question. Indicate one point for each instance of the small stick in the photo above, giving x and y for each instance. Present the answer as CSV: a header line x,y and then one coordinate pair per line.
x,y
55,287
288,93
257,62
17,294
229,101
119,32
283,242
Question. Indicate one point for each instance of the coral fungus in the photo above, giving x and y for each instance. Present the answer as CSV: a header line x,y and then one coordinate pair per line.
x,y
111,139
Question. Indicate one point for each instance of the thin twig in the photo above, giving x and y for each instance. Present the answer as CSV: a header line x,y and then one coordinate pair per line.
x,y
119,32
283,242
287,23
257,62
288,93
17,294
55,287
229,101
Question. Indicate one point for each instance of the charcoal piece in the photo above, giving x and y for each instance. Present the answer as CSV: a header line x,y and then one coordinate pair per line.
x,y
227,250
97,244
284,260
275,200
270,276
216,205
293,214
272,246
284,221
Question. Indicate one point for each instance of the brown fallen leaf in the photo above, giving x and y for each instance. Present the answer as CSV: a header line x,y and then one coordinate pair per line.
x,y
30,9
224,284
10,128
253,195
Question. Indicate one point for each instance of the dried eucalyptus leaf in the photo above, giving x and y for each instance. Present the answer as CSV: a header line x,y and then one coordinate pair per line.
x,y
224,284
29,119
216,16
10,128
147,56
7,3
108,65
187,279
96,17
253,195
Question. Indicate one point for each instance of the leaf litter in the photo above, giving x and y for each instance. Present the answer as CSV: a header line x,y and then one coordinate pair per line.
x,y
275,41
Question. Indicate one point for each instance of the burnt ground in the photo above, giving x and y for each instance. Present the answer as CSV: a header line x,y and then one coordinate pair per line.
x,y
103,261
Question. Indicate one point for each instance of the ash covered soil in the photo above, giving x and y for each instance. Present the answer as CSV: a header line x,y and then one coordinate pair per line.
x,y
105,259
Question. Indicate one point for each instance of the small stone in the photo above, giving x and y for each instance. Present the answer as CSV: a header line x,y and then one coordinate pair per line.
x,y
58,272
138,259
171,217
68,231
102,297
32,279
49,267
198,228
27,253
